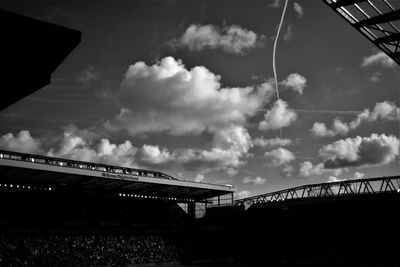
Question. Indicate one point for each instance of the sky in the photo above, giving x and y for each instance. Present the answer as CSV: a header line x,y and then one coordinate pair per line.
x,y
187,88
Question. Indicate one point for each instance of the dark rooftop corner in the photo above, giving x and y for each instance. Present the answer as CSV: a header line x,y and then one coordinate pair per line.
x,y
35,45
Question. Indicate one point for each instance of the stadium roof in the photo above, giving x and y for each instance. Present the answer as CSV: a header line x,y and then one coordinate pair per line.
x,y
378,20
28,169
29,42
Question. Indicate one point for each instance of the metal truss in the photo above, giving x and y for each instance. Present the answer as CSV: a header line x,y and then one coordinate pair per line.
x,y
378,20
82,165
333,189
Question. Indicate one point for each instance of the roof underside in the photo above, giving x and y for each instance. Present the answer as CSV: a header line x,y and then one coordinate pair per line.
x,y
378,20
30,42
68,175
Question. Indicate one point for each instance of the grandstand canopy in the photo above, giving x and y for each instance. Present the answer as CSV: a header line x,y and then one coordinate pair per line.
x,y
19,169
28,43
378,20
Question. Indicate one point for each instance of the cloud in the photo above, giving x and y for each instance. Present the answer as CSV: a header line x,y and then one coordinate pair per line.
x,y
319,129
228,149
357,175
380,58
89,76
295,82
385,111
232,39
275,4
242,194
272,142
199,178
22,142
308,169
360,151
278,157
279,116
299,9
289,33
166,97
376,77
77,147
257,180
332,179
154,155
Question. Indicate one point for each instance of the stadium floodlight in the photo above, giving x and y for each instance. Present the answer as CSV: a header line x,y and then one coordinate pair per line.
x,y
1,156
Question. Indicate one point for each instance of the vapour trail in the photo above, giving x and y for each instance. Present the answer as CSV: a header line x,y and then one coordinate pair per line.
x,y
274,56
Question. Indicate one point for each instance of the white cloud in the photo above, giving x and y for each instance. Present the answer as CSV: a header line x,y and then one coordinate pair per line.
x,y
279,116
257,180
295,82
166,97
332,179
199,178
308,169
385,111
299,9
154,155
278,157
357,175
376,77
232,39
380,58
272,142
289,33
228,149
22,142
242,194
319,129
275,4
360,151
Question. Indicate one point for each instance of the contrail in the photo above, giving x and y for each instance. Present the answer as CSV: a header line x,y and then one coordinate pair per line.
x,y
274,55
274,49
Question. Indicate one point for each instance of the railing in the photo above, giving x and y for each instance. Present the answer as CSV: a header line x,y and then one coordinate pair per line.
x,y
333,189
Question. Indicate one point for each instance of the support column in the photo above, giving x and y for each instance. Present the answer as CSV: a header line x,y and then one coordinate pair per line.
x,y
192,210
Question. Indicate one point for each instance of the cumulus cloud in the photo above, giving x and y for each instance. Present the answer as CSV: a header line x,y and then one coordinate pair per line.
x,y
356,175
380,58
199,178
299,9
332,179
154,155
228,150
22,142
360,151
232,39
385,111
272,142
308,169
76,147
278,157
289,33
257,180
376,77
279,116
242,194
275,4
295,82
166,97
319,129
